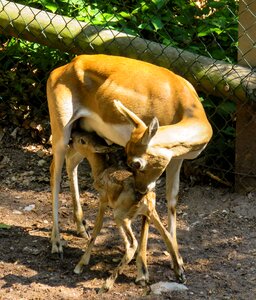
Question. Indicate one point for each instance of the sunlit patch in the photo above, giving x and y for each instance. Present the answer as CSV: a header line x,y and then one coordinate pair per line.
x,y
151,186
159,151
115,133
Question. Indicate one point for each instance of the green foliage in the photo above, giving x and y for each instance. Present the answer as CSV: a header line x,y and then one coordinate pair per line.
x,y
4,226
24,69
209,30
221,152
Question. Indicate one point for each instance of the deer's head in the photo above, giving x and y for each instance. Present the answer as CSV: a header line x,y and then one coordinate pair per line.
x,y
147,160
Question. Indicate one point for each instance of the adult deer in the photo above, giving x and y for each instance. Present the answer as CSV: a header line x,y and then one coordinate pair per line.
x,y
84,91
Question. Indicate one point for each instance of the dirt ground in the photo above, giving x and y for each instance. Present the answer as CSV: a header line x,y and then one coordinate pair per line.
x,y
216,233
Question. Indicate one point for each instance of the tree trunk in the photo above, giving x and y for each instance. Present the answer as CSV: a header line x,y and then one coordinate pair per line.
x,y
245,179
211,76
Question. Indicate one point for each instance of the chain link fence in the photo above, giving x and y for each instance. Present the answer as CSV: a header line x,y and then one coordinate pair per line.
x,y
201,40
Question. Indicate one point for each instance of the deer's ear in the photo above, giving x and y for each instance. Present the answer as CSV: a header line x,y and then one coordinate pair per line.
x,y
130,116
150,131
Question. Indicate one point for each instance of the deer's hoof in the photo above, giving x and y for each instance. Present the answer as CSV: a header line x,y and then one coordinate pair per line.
x,y
78,269
57,247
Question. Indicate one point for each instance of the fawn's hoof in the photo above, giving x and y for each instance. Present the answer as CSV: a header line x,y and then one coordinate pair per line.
x,y
84,234
180,275
103,290
142,280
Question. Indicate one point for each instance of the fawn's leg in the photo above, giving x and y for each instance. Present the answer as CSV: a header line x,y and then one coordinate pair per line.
x,y
141,259
131,245
172,248
96,230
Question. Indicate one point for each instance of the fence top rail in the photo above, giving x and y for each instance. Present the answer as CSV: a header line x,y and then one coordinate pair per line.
x,y
208,75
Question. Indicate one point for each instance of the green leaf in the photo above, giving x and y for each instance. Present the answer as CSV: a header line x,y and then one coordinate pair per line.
x,y
52,7
228,107
145,26
4,226
159,3
125,15
157,23
230,131
144,7
217,4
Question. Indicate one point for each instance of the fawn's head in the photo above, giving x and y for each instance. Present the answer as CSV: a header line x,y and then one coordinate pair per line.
x,y
87,142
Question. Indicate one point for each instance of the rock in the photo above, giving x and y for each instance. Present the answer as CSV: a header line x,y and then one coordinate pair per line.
x,y
16,212
1,133
31,250
40,153
29,207
41,163
5,160
165,287
14,133
195,224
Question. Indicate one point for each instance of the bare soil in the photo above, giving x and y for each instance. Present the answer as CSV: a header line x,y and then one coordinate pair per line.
x,y
216,233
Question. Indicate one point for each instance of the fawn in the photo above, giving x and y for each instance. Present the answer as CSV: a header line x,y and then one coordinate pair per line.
x,y
116,188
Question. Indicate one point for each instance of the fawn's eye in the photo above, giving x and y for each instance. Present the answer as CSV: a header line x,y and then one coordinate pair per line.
x,y
82,141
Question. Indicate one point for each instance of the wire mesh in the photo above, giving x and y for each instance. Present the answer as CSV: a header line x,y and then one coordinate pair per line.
x,y
196,39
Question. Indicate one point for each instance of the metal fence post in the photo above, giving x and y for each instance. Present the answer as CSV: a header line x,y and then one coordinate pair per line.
x,y
245,179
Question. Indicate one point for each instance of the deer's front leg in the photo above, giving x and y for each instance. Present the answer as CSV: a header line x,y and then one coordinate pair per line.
x,y
141,259
73,159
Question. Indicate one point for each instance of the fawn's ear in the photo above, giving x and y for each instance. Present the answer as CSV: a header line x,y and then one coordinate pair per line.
x,y
104,149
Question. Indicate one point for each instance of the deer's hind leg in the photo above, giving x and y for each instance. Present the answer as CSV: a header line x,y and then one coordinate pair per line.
x,y
59,147
73,159
172,190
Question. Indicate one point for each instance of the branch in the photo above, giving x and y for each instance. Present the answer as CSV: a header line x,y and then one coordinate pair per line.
x,y
208,75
